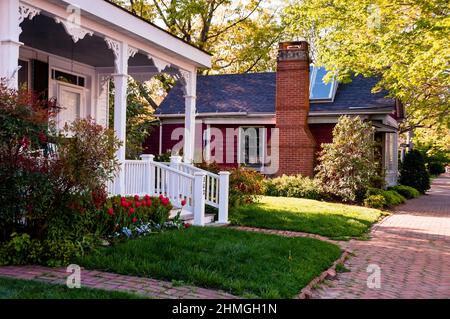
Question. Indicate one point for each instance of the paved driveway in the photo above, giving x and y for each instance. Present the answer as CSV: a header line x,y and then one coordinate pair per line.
x,y
411,250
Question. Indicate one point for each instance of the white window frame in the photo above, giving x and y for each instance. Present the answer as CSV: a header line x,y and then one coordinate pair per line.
x,y
262,146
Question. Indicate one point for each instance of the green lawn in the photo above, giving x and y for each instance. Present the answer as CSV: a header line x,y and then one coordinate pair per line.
x,y
29,289
243,263
337,221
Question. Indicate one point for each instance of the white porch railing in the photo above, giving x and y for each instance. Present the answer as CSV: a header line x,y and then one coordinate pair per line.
x,y
178,181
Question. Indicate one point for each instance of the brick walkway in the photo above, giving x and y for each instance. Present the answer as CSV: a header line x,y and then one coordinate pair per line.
x,y
411,247
152,288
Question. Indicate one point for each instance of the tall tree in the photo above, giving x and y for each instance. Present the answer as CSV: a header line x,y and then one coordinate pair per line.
x,y
241,35
405,43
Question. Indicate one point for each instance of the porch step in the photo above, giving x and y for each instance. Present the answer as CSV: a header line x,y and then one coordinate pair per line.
x,y
189,218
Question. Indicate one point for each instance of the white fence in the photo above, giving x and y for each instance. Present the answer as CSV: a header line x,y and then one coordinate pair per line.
x,y
179,182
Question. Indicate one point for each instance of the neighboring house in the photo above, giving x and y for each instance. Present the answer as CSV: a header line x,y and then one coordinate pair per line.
x,y
293,100
71,49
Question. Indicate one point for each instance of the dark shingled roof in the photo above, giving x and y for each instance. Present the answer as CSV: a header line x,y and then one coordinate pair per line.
x,y
255,93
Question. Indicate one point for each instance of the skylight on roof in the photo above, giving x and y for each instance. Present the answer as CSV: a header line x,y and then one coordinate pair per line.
x,y
318,90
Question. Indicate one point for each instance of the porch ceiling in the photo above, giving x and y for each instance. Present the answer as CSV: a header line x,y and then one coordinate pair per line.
x,y
43,33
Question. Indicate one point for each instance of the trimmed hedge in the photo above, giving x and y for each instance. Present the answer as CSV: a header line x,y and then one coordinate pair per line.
x,y
293,186
406,191
391,197
375,201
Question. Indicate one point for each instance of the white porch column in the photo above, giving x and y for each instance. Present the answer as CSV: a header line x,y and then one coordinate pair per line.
x,y
9,42
189,118
122,52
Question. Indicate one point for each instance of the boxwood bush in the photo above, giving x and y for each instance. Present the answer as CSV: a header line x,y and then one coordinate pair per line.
x,y
293,186
406,191
391,197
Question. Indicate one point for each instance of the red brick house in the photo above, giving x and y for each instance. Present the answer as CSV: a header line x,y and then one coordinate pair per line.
x,y
276,121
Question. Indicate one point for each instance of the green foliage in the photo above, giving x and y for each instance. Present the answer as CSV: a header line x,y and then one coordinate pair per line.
x,y
414,173
391,197
436,168
242,36
406,191
348,164
50,201
405,43
245,186
375,201
22,250
293,186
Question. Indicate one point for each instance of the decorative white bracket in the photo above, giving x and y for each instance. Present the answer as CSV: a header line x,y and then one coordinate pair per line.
x,y
26,12
132,51
115,47
184,77
159,63
74,30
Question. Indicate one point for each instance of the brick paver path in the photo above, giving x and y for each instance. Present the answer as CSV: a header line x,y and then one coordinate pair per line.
x,y
108,281
411,247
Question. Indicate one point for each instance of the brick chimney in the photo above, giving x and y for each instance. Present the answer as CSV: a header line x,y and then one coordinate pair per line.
x,y
296,143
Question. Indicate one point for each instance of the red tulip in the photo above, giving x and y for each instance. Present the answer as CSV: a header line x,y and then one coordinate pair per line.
x,y
149,202
134,219
165,201
137,204
124,204
187,225
143,203
183,202
161,196
136,197
110,211
147,197
131,210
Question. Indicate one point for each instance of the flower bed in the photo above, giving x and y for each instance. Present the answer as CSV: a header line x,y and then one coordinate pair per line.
x,y
137,216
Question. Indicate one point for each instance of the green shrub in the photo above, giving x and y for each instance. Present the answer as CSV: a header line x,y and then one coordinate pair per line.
x,y
245,186
436,168
406,191
22,250
348,164
375,201
414,173
391,197
293,186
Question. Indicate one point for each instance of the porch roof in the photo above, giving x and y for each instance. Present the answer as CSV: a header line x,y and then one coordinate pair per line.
x,y
104,18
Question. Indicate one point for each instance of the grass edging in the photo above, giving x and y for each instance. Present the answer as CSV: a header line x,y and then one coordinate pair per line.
x,y
306,292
